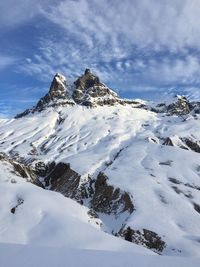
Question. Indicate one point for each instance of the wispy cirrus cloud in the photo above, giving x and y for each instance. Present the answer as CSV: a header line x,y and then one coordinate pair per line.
x,y
133,41
6,61
13,13
173,24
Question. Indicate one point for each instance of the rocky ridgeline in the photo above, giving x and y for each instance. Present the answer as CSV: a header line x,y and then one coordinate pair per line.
x,y
187,143
182,106
88,91
58,95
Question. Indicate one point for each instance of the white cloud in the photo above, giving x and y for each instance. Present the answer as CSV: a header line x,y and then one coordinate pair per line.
x,y
170,23
136,42
13,13
6,61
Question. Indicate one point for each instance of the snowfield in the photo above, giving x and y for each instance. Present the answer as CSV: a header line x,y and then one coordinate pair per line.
x,y
135,171
32,256
90,139
48,219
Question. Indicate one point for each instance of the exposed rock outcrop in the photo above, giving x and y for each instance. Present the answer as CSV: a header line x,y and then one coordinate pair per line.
x,y
90,91
63,179
110,200
181,107
192,144
144,237
87,90
22,170
168,142
58,95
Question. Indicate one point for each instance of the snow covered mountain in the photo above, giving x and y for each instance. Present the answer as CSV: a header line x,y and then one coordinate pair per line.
x,y
133,167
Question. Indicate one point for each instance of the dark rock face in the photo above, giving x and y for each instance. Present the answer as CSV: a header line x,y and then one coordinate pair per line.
x,y
145,237
90,91
168,142
110,200
193,145
186,143
196,106
22,170
63,179
181,107
196,207
101,197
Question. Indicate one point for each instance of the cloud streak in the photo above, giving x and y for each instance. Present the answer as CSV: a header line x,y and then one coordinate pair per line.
x,y
6,61
131,44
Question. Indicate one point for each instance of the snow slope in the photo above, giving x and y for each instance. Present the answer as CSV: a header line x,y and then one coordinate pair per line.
x,y
46,218
23,256
90,139
152,156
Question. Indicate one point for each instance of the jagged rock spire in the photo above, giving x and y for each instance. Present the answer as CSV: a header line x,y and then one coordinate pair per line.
x,y
90,91
58,92
58,88
58,95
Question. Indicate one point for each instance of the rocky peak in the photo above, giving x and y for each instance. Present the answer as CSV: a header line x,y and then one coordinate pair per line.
x,y
58,93
58,88
181,107
87,90
90,91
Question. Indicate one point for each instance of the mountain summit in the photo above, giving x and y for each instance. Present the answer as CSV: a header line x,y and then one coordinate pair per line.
x,y
90,91
87,90
58,92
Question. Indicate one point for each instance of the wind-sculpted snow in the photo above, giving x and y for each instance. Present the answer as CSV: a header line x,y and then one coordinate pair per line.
x,y
134,168
125,143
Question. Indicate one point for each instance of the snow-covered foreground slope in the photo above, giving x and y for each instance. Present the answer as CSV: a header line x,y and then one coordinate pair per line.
x,y
32,215
23,256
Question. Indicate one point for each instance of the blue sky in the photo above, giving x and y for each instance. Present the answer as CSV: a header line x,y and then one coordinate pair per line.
x,y
140,48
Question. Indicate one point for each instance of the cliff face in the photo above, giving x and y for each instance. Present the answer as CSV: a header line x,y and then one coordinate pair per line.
x,y
90,91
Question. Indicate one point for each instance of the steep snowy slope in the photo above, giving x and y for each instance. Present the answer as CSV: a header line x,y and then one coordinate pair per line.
x,y
32,215
135,167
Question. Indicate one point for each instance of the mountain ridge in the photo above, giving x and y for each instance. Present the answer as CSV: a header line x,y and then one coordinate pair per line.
x,y
128,163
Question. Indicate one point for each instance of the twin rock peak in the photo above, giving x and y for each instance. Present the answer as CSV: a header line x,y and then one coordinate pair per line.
x,y
87,90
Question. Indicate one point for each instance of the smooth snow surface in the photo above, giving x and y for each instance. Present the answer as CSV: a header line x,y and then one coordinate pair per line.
x,y
31,256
